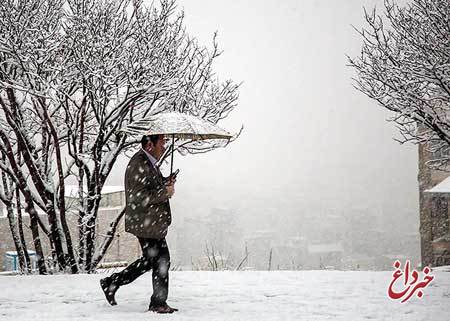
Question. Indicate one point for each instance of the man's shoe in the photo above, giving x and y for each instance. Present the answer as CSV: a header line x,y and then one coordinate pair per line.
x,y
109,289
173,309
162,309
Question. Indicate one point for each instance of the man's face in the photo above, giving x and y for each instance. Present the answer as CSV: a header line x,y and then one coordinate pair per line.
x,y
159,148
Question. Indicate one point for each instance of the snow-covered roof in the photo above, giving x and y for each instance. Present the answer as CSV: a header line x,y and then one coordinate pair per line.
x,y
443,187
72,190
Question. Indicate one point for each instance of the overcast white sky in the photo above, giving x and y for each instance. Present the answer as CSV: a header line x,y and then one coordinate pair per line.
x,y
307,131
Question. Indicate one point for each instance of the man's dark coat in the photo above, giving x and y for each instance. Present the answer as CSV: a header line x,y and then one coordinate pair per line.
x,y
147,204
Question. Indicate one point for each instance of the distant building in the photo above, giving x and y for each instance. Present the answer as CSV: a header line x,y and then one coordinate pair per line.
x,y
112,196
123,248
434,212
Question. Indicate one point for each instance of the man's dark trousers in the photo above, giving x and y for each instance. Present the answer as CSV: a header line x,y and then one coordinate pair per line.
x,y
156,257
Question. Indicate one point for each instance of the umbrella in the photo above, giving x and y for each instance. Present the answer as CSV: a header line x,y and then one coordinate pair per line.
x,y
178,125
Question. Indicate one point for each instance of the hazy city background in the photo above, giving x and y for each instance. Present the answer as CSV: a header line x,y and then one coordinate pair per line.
x,y
316,177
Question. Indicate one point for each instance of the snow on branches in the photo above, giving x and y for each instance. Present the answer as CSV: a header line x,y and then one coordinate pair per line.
x,y
72,73
405,66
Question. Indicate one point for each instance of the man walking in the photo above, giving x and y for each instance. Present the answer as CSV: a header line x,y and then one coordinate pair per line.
x,y
148,217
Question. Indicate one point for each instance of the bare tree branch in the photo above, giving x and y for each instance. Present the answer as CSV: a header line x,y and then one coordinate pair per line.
x,y
404,66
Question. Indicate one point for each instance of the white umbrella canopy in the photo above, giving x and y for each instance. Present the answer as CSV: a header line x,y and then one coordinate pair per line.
x,y
179,126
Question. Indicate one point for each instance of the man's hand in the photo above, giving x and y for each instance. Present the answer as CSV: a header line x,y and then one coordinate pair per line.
x,y
173,176
171,180
170,188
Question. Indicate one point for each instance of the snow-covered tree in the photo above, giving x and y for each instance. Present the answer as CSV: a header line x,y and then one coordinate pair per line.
x,y
72,73
405,66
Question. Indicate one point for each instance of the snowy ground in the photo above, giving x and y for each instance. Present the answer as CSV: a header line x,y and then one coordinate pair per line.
x,y
300,295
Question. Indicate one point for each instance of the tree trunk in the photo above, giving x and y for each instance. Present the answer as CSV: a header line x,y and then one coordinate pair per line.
x,y
90,241
81,240
70,250
61,202
21,234
93,206
16,239
36,238
56,237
